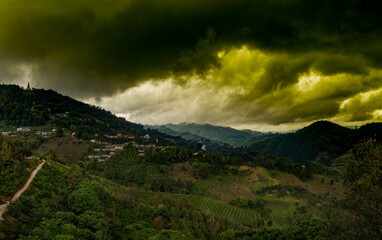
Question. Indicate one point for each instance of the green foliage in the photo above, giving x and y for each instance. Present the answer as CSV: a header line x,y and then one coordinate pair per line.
x,y
301,171
52,210
126,168
95,221
119,167
172,235
312,229
50,155
87,196
174,154
74,176
358,214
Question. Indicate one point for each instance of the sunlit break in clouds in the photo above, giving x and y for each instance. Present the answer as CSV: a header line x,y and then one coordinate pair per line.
x,y
266,65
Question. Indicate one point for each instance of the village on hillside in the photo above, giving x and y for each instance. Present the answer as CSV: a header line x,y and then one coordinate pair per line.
x,y
99,150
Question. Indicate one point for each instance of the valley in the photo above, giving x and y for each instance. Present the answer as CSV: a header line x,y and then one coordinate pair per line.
x,y
106,178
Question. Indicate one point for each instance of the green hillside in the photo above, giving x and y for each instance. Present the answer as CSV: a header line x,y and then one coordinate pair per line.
x,y
37,107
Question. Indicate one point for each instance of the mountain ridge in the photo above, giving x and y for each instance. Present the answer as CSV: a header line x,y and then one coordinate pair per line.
x,y
319,141
220,134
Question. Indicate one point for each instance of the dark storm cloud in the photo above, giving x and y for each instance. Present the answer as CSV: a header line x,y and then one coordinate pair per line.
x,y
117,45
281,72
269,61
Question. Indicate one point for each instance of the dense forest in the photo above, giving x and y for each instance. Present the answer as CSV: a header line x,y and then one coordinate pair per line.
x,y
80,203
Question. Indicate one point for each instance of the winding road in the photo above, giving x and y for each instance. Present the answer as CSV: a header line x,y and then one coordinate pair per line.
x,y
3,207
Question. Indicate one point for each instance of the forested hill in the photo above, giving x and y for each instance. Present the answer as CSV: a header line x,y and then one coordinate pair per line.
x,y
227,135
38,107
320,141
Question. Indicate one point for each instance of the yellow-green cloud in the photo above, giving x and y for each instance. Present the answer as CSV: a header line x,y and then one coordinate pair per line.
x,y
234,94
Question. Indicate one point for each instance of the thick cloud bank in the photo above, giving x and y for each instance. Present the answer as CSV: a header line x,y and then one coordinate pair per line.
x,y
256,62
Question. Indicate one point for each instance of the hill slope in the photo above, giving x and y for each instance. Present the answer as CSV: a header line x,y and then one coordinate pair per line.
x,y
39,107
321,141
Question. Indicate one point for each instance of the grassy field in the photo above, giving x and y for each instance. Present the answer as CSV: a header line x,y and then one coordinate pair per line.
x,y
314,185
229,187
67,147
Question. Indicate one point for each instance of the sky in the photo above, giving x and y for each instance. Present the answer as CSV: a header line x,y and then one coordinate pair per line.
x,y
268,65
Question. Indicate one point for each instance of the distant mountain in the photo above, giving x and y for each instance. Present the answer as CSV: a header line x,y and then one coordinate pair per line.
x,y
321,141
192,131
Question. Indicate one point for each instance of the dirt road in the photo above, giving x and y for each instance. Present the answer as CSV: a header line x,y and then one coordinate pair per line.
x,y
3,207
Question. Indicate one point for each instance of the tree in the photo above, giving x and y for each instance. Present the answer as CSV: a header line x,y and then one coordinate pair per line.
x,y
92,220
359,214
74,176
84,198
5,152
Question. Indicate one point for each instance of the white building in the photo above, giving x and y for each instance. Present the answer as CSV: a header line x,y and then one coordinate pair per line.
x,y
23,129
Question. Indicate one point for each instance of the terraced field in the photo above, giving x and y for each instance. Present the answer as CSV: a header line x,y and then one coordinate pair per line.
x,y
235,214
278,220
215,207
224,210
